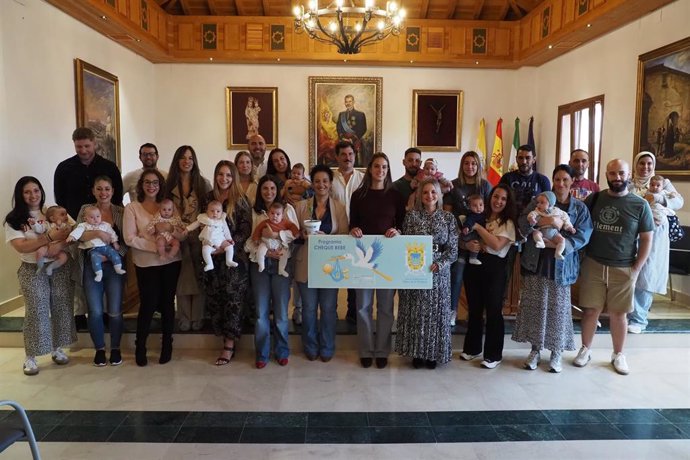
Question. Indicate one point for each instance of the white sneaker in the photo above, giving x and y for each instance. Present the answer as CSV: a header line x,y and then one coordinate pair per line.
x,y
619,363
30,366
635,329
532,360
555,365
488,364
59,356
583,357
467,357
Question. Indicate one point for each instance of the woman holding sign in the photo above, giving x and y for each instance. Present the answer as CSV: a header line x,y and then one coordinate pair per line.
x,y
423,314
318,337
376,208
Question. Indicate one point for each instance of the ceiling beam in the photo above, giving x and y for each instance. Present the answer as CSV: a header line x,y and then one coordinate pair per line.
x,y
241,11
504,11
264,5
450,8
166,5
424,9
516,9
185,7
212,7
478,7
527,5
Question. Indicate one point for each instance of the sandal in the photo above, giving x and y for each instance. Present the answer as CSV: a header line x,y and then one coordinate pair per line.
x,y
222,361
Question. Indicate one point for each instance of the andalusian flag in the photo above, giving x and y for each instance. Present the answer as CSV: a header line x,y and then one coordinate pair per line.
x,y
481,142
512,163
496,166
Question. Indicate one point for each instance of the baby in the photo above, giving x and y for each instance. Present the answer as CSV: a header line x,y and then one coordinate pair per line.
x,y
429,170
283,232
296,188
546,202
56,217
97,249
656,185
476,216
214,233
163,225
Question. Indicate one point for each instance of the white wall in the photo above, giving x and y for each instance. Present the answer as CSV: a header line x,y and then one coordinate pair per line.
x,y
191,106
38,44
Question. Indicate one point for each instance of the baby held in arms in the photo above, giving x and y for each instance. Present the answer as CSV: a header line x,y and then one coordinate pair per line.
x,y
546,207
282,232
57,218
215,234
163,226
475,216
97,248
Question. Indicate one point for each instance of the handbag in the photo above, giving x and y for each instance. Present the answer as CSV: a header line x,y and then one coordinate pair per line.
x,y
675,231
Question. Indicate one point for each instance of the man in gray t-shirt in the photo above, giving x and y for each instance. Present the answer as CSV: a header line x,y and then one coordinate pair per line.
x,y
619,246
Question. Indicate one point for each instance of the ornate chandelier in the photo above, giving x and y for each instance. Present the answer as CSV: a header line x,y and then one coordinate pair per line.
x,y
349,27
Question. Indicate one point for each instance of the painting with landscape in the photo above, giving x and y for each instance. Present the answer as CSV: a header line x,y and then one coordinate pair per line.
x,y
663,108
97,100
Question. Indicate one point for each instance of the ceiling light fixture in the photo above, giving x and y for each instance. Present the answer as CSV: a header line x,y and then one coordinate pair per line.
x,y
349,27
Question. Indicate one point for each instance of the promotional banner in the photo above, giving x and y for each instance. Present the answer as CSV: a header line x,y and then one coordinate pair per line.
x,y
342,261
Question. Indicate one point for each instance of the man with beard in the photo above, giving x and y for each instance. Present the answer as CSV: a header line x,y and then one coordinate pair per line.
x,y
526,182
148,155
581,187
257,149
617,251
411,161
346,179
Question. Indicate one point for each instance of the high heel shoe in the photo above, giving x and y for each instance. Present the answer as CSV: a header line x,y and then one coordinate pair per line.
x,y
166,351
140,354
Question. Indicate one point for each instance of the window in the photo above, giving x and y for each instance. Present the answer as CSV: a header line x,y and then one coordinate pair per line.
x,y
579,127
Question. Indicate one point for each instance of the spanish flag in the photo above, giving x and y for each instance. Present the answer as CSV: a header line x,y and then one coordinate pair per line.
x,y
496,166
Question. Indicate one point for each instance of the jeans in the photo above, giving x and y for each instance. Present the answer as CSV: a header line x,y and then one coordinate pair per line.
x,y
457,270
374,341
643,302
318,336
96,257
271,291
112,286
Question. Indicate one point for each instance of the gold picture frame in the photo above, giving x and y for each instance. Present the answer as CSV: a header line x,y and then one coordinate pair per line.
x,y
98,107
249,111
663,108
437,120
332,118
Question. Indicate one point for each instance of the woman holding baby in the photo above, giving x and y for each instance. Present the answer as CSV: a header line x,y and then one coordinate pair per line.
x,y
48,323
544,319
156,275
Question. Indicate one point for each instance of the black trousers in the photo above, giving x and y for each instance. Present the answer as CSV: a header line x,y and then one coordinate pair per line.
x,y
157,286
485,287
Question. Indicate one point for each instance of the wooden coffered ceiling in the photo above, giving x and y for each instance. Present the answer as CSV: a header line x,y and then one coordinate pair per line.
x,y
470,10
505,34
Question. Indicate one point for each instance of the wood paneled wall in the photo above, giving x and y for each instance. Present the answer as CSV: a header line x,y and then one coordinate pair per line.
x,y
551,29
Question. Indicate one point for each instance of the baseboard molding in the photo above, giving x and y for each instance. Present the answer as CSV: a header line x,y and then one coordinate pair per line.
x,y
11,304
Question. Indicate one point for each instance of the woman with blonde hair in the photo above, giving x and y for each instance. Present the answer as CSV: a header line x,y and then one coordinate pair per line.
x,y
471,180
227,288
423,331
247,175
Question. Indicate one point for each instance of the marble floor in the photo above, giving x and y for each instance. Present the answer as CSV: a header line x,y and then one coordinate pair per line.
x,y
190,409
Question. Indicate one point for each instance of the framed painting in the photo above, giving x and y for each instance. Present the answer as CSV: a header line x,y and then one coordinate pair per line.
x,y
437,120
250,111
344,108
662,116
98,107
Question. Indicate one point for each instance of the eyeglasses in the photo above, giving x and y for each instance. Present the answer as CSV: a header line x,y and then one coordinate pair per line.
x,y
154,183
